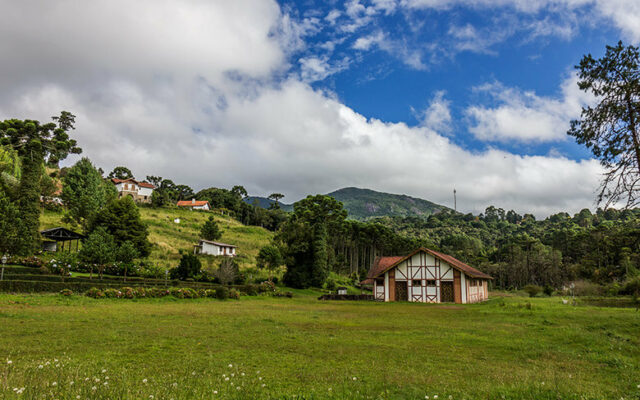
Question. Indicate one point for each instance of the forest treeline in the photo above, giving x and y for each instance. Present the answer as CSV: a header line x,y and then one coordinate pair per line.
x,y
602,247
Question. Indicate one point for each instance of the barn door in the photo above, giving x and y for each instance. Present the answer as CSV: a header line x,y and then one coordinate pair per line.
x,y
402,294
446,292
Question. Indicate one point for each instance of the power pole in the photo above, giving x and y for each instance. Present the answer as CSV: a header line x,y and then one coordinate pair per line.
x,y
455,204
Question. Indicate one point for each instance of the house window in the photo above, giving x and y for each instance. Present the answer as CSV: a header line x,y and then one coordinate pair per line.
x,y
431,282
380,282
416,282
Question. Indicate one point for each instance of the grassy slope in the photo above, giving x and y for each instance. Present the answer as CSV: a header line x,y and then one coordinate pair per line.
x,y
169,238
500,349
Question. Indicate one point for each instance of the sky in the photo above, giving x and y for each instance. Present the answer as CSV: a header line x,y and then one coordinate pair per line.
x,y
414,97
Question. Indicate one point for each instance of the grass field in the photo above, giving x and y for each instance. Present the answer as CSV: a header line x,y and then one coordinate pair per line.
x,y
168,238
507,348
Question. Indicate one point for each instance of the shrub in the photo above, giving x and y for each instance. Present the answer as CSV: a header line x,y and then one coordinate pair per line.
x,y
283,294
128,293
66,292
176,292
112,293
95,293
548,290
632,287
222,293
266,287
251,290
532,290
189,267
331,284
234,294
210,293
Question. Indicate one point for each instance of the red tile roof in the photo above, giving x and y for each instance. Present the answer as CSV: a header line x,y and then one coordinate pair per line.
x,y
383,264
189,203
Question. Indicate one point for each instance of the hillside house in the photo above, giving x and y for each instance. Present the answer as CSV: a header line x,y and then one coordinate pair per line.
x,y
427,276
139,191
214,248
194,204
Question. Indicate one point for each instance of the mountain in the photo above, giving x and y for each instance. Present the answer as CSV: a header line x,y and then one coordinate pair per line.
x,y
364,204
266,203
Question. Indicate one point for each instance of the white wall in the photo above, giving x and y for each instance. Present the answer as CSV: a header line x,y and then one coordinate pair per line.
x,y
142,191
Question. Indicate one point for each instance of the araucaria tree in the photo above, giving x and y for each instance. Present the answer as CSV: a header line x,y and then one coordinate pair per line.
x,y
210,230
611,128
35,144
84,192
120,173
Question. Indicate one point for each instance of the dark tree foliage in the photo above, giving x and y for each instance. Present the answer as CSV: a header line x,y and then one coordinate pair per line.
x,y
84,192
121,219
55,143
167,192
29,201
276,197
188,268
611,128
210,230
9,224
269,258
120,173
239,191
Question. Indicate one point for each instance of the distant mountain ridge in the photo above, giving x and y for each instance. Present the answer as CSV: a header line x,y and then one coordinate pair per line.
x,y
363,204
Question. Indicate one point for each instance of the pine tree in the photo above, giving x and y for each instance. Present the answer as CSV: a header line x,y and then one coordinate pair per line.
x,y
29,201
210,230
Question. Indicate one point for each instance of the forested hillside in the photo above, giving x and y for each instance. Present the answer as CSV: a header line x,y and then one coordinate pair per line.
x,y
363,204
517,250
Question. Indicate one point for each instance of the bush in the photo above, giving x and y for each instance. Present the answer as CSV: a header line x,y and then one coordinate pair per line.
x,y
66,292
189,267
112,293
632,287
532,290
95,293
222,293
251,290
267,287
210,293
234,294
331,284
548,290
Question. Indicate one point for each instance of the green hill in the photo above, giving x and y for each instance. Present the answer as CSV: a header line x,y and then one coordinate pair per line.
x,y
364,204
169,238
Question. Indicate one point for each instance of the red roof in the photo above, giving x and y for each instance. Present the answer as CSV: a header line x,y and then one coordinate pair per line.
x,y
190,203
141,184
383,264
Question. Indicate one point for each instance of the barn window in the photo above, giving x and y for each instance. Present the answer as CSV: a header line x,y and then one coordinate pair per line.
x,y
431,282
380,282
416,282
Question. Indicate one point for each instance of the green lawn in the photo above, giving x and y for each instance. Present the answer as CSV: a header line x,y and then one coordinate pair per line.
x,y
302,347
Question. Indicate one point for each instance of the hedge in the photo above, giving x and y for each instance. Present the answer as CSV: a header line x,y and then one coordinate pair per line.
x,y
34,286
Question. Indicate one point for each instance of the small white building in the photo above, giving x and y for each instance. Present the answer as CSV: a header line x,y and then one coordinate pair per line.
x,y
214,248
427,276
139,191
194,204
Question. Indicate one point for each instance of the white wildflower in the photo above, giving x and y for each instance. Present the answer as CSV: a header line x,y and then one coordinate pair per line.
x,y
106,378
263,385
231,383
355,379
426,397
40,366
329,389
86,379
78,396
54,384
215,392
175,384
232,375
242,374
238,387
230,365
151,396
226,379
435,396
71,383
55,360
104,370
193,373
20,391
9,362
105,383
93,388
259,378
144,380
15,389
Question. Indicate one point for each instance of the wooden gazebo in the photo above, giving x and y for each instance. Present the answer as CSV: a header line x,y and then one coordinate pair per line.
x,y
61,235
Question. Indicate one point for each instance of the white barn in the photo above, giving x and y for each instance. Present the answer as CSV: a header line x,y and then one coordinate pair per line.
x,y
427,276
214,248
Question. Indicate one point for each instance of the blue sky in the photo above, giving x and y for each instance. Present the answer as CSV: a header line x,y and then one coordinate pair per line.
x,y
302,97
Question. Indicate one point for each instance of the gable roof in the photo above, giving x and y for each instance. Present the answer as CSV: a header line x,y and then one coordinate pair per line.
x,y
189,203
383,264
61,234
217,243
141,184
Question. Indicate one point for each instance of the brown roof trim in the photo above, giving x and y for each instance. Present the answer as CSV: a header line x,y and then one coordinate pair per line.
x,y
454,262
217,243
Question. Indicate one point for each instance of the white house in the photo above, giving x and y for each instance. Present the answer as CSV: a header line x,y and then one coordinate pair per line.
x,y
427,276
194,204
139,191
214,248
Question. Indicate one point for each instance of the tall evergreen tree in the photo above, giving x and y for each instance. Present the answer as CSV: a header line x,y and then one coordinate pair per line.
x,y
29,201
210,230
84,192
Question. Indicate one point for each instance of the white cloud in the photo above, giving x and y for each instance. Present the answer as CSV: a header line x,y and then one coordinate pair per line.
x,y
367,42
318,68
525,116
191,91
438,115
